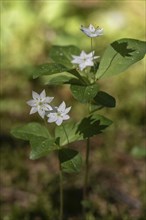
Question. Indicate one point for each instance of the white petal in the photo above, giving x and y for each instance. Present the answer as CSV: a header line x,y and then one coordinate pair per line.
x,y
93,35
67,110
75,57
76,61
35,95
73,61
59,121
62,107
95,57
83,54
66,117
52,117
31,102
91,28
49,99
47,107
89,63
86,31
90,55
99,32
43,94
33,110
82,28
82,66
41,113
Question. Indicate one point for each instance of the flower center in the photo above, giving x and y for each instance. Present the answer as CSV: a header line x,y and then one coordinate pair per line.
x,y
59,114
40,103
84,59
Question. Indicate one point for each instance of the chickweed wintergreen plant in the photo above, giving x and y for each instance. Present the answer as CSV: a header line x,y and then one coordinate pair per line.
x,y
70,66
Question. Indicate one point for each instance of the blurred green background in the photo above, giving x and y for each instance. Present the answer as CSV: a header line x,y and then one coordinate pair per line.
x,y
28,30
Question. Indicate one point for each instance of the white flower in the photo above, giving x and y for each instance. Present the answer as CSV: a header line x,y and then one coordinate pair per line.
x,y
59,114
39,103
84,60
91,31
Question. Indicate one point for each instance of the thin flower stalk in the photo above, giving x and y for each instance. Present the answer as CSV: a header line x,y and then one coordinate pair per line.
x,y
61,192
86,169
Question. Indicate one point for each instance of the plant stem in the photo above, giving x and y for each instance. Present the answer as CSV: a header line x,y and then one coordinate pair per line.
x,y
86,169
91,44
61,182
61,194
93,59
45,123
65,133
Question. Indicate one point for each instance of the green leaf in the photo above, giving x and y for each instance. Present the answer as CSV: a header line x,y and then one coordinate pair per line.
x,y
104,99
83,93
71,160
67,133
83,80
93,125
119,56
62,78
41,147
26,132
63,54
49,69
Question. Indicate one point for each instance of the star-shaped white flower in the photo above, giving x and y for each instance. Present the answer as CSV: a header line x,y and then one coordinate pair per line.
x,y
91,31
84,59
59,114
39,103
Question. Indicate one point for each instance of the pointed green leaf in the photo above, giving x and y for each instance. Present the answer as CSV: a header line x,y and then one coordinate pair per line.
x,y
93,125
83,80
41,147
67,133
49,69
104,99
83,93
63,54
26,132
120,55
71,160
62,78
